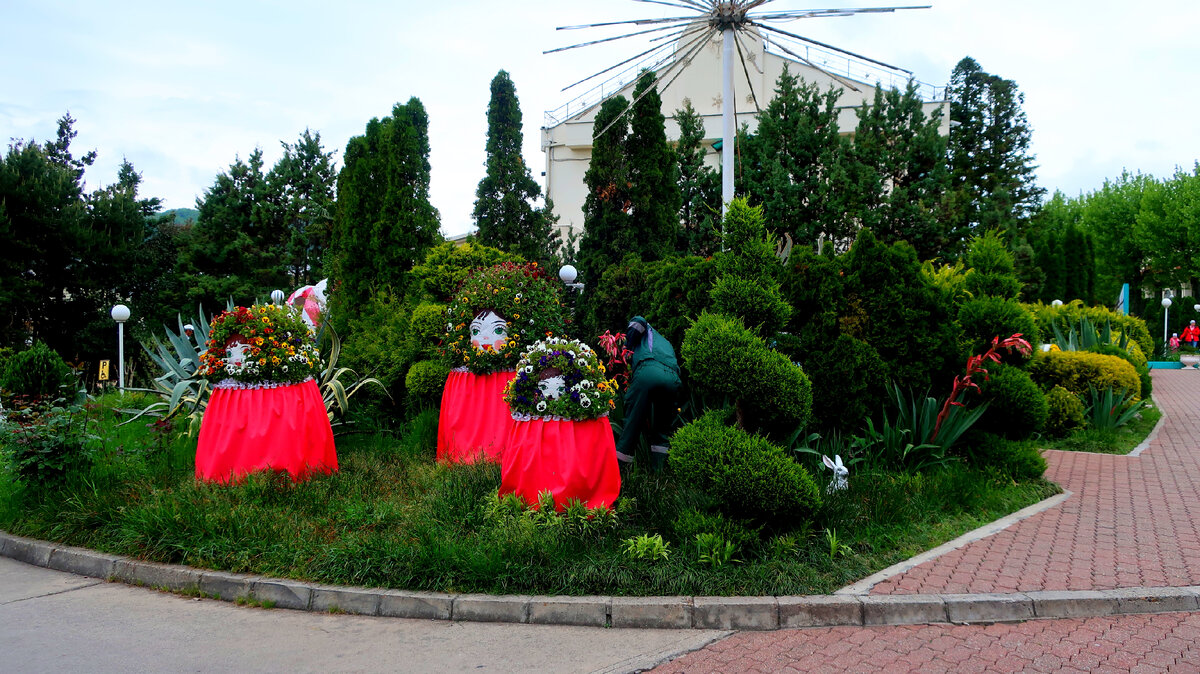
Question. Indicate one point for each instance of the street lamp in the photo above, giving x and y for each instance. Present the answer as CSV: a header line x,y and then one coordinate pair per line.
x,y
277,296
1056,303
567,275
1166,304
120,314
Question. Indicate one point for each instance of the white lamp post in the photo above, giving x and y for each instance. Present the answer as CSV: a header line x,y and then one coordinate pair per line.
x,y
567,274
1166,304
277,296
1056,303
120,314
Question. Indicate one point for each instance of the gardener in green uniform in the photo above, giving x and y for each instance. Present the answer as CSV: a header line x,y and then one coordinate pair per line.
x,y
651,395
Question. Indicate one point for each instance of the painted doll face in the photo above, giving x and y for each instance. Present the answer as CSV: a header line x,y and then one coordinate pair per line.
x,y
552,387
488,331
235,354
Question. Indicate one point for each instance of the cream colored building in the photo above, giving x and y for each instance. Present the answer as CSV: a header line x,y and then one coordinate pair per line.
x,y
567,134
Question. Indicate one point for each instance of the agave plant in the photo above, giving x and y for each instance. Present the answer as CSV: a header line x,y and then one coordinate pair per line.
x,y
336,394
1087,335
1111,409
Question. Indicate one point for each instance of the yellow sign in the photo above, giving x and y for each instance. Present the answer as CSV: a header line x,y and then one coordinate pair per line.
x,y
104,370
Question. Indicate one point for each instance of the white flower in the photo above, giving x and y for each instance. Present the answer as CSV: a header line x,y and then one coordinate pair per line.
x,y
528,369
284,368
541,406
585,402
449,327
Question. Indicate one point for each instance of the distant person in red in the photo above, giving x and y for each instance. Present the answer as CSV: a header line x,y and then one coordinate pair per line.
x,y
1191,335
1174,341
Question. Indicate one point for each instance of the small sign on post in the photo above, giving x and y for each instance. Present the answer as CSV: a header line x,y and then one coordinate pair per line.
x,y
103,370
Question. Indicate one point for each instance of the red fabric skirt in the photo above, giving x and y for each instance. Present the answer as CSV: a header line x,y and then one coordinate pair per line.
x,y
474,421
570,459
247,430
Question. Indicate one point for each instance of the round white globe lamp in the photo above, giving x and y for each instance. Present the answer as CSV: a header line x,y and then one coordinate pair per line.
x,y
1166,305
120,314
568,274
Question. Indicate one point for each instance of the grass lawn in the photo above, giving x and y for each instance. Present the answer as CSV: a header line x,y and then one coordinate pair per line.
x,y
1122,440
393,518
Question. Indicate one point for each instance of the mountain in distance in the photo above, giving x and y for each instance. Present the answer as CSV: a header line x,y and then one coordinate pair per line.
x,y
183,215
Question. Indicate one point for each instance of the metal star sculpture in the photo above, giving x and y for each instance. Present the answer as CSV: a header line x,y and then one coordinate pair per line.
x,y
684,37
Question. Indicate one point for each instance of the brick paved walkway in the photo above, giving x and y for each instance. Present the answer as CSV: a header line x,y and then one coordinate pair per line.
x,y
1131,521
1165,642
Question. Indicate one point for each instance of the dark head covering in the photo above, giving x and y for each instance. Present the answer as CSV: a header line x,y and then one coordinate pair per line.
x,y
637,330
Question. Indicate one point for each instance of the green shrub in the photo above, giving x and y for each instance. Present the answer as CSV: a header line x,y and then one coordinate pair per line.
x,y
45,444
1146,385
448,264
748,249
722,356
1016,406
614,298
992,270
378,343
1075,370
760,305
1017,459
746,474
425,381
676,293
1068,315
1065,412
427,328
847,372
37,371
985,318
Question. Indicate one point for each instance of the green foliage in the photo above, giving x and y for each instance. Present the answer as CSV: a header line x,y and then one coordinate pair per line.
x,y
1016,459
748,249
1146,384
987,317
723,357
1077,370
699,187
1104,324
425,381
1065,412
448,264
428,328
1110,409
504,211
1017,408
991,269
45,443
847,375
670,293
648,548
920,416
653,175
607,233
575,520
384,222
759,305
379,340
36,371
714,551
746,474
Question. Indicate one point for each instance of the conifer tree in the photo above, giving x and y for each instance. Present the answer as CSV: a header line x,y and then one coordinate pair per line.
x,y
504,210
384,222
302,185
607,235
699,187
653,175
898,170
991,168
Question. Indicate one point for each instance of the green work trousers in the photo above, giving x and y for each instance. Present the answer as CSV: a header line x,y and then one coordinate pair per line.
x,y
649,403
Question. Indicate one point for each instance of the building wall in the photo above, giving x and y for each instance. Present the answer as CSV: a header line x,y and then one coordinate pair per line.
x,y
568,145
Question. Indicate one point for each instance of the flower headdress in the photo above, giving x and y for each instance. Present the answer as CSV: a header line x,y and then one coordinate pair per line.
x,y
560,378
261,344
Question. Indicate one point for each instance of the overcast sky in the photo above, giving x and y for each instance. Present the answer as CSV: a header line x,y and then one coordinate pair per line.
x,y
183,88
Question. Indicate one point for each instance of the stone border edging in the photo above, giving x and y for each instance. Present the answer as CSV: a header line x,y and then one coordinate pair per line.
x,y
720,613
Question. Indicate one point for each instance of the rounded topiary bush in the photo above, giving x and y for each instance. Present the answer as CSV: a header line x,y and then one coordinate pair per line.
x,y
428,327
746,474
1074,370
36,371
985,318
1142,368
1065,412
425,381
722,356
1016,406
760,305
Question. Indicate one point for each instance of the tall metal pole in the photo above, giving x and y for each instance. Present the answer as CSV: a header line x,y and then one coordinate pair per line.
x,y
121,354
728,118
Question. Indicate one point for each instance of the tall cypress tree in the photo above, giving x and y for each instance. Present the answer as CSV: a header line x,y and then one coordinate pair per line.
x,y
793,165
699,188
384,222
302,183
991,168
653,174
897,164
607,235
504,211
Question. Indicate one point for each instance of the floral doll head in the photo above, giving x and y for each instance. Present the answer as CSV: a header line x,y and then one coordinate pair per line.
x,y
489,331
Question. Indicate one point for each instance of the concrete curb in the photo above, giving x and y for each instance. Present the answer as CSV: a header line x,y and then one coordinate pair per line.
x,y
723,613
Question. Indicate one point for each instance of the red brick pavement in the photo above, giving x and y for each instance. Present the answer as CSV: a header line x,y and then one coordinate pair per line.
x,y
1131,521
1164,642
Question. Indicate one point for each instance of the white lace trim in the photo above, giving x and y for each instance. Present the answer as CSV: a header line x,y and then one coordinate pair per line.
x,y
464,368
517,416
241,385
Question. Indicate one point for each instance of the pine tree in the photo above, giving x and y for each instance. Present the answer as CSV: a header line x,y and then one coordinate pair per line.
x,y
793,165
504,210
607,234
384,222
699,187
302,185
897,165
990,165
653,175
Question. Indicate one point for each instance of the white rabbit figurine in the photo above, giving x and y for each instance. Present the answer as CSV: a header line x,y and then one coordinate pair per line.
x,y
839,473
